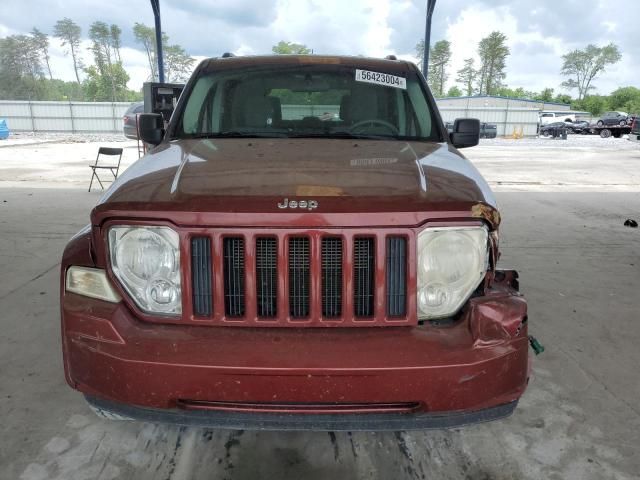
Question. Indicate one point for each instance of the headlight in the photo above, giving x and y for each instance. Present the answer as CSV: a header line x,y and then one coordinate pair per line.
x,y
146,261
452,261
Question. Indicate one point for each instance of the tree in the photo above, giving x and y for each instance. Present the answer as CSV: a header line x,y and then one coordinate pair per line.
x,y
21,68
626,99
69,33
454,92
439,58
110,85
147,37
116,43
583,66
563,98
467,76
102,48
178,64
41,42
594,104
493,53
545,95
289,48
420,54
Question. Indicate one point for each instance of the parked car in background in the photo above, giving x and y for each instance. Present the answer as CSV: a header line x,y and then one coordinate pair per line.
x,y
129,120
580,126
548,117
487,130
634,136
554,129
613,118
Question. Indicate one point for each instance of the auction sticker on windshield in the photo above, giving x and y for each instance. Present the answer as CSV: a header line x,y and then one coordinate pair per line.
x,y
381,79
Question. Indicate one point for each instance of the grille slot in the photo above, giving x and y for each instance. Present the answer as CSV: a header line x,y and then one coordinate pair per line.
x,y
363,276
396,276
267,276
201,276
299,277
331,277
234,304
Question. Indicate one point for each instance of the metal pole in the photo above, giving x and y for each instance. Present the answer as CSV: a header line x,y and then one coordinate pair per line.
x,y
431,4
155,5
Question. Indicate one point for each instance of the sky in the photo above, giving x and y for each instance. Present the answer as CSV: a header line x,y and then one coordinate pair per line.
x,y
539,32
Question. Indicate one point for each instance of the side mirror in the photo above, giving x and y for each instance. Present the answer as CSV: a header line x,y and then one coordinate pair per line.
x,y
151,128
466,132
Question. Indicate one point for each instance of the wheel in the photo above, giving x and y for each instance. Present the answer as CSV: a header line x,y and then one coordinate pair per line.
x,y
600,123
545,133
606,133
623,123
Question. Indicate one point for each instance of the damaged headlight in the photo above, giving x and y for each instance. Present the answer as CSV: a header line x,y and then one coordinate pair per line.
x,y
146,261
452,261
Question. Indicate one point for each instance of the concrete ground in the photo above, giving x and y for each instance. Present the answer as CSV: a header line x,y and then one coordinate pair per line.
x,y
563,206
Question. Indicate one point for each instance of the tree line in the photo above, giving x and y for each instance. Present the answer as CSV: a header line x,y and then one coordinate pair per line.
x,y
581,67
25,67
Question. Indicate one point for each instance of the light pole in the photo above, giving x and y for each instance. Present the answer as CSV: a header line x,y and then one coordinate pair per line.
x,y
155,5
431,4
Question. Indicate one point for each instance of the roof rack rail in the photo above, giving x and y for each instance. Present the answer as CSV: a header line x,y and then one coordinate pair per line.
x,y
228,55
391,57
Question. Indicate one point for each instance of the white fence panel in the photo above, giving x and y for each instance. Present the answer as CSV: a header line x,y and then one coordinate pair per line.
x,y
101,117
298,112
71,117
507,120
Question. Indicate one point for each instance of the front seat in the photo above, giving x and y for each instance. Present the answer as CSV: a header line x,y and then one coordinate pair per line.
x,y
362,104
258,111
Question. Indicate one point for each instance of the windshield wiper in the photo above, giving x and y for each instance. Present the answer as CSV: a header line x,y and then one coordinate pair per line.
x,y
342,134
234,134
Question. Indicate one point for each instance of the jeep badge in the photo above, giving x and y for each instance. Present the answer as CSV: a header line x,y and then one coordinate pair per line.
x,y
308,204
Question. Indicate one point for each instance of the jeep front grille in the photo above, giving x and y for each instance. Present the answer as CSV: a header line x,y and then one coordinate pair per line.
x,y
299,278
267,276
234,277
331,277
299,281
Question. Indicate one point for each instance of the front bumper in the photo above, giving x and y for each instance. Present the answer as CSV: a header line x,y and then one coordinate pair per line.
x,y
351,422
474,369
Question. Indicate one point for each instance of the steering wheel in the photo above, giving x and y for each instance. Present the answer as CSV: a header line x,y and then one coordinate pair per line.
x,y
375,121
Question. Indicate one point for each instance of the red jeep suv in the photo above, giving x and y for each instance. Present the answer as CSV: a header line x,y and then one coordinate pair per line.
x,y
303,248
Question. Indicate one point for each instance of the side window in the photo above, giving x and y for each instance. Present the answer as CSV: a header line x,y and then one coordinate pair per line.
x,y
192,117
422,112
547,115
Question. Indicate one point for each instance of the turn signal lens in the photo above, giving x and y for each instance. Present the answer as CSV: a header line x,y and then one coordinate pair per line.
x,y
90,282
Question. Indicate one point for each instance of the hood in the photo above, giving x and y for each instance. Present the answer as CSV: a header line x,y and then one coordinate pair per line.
x,y
236,176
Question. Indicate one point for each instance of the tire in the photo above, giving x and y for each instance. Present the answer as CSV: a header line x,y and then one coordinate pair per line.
x,y
600,123
605,133
623,123
545,133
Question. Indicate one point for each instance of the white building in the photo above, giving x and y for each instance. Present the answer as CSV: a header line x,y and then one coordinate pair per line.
x,y
513,116
499,102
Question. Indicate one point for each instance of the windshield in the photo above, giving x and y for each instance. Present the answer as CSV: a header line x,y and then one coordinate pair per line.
x,y
307,101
